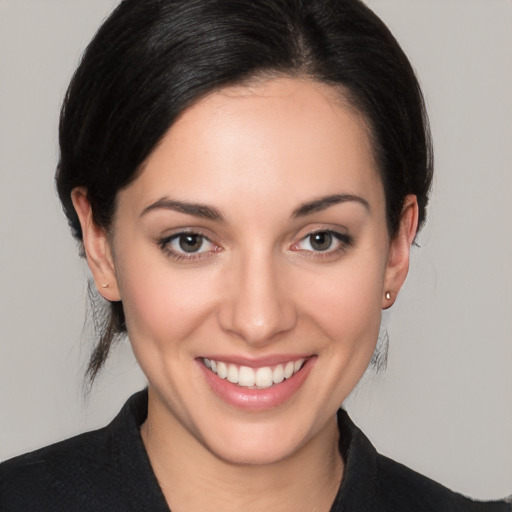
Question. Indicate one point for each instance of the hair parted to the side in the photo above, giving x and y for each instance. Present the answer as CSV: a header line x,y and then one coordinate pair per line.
x,y
151,59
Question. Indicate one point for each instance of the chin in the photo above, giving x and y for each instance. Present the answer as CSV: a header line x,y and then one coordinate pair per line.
x,y
254,450
259,441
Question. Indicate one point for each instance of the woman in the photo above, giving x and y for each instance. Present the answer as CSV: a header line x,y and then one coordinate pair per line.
x,y
247,180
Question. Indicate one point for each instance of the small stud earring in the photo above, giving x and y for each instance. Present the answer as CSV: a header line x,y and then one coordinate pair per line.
x,y
105,285
388,296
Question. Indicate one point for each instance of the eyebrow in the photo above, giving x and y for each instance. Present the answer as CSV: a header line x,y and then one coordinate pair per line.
x,y
323,203
211,213
195,209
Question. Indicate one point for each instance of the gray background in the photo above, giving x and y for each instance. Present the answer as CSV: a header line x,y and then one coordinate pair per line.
x,y
444,406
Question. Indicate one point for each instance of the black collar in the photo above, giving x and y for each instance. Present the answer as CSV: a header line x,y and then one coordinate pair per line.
x,y
358,489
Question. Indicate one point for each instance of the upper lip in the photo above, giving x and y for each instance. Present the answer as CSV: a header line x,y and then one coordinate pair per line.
x,y
251,362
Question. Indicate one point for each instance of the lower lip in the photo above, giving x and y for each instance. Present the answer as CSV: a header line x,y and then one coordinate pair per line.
x,y
257,399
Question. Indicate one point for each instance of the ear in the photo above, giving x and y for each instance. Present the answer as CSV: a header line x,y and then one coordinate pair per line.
x,y
96,246
399,251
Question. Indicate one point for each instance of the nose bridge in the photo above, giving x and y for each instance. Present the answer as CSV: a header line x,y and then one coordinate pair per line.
x,y
258,307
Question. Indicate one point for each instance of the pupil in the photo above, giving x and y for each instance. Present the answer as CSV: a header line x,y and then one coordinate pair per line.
x,y
190,243
321,241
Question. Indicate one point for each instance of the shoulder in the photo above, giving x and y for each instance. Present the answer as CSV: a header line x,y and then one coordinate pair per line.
x,y
404,489
106,469
374,482
57,477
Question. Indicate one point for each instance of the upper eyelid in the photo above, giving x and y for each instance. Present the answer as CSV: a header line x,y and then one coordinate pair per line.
x,y
342,240
339,233
175,233
164,244
336,234
324,230
175,236
335,231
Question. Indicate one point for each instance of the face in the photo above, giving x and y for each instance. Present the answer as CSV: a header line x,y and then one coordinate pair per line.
x,y
252,258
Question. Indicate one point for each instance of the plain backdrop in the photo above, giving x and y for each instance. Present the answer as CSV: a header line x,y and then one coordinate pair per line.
x,y
444,405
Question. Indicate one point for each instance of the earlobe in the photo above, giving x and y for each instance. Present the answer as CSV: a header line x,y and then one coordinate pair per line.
x,y
399,252
96,246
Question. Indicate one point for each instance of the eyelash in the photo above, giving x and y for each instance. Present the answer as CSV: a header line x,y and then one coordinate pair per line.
x,y
165,245
344,241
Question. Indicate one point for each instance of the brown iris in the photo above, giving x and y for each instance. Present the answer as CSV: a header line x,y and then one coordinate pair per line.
x,y
190,242
321,241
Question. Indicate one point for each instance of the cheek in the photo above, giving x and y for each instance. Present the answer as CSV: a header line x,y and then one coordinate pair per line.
x,y
346,304
161,304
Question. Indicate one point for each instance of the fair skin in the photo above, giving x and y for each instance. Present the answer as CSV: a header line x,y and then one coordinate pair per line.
x,y
285,263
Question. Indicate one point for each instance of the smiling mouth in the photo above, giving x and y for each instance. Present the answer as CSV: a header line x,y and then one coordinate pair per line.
x,y
254,378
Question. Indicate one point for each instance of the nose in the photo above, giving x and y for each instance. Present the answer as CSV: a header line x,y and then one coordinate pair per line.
x,y
257,307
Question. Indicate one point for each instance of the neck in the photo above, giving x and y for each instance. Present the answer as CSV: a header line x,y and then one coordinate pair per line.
x,y
193,478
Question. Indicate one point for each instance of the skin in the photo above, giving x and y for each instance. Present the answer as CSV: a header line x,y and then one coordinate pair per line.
x,y
256,288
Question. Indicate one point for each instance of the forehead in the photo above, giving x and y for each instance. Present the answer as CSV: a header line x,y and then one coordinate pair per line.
x,y
278,140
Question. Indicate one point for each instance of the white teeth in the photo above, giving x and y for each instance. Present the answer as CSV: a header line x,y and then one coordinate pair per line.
x,y
222,370
278,374
264,377
246,376
288,369
232,374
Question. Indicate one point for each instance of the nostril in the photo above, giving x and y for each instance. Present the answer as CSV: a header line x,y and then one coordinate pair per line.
x,y
256,306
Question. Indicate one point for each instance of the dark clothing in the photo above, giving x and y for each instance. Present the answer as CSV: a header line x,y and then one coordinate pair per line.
x,y
109,470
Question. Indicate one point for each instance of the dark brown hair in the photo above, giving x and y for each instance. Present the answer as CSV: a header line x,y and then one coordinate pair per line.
x,y
151,59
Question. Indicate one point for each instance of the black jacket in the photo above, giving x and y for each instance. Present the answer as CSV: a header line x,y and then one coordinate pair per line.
x,y
108,470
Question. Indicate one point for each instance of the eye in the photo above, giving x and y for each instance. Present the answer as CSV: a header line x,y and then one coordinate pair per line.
x,y
188,242
187,245
323,241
